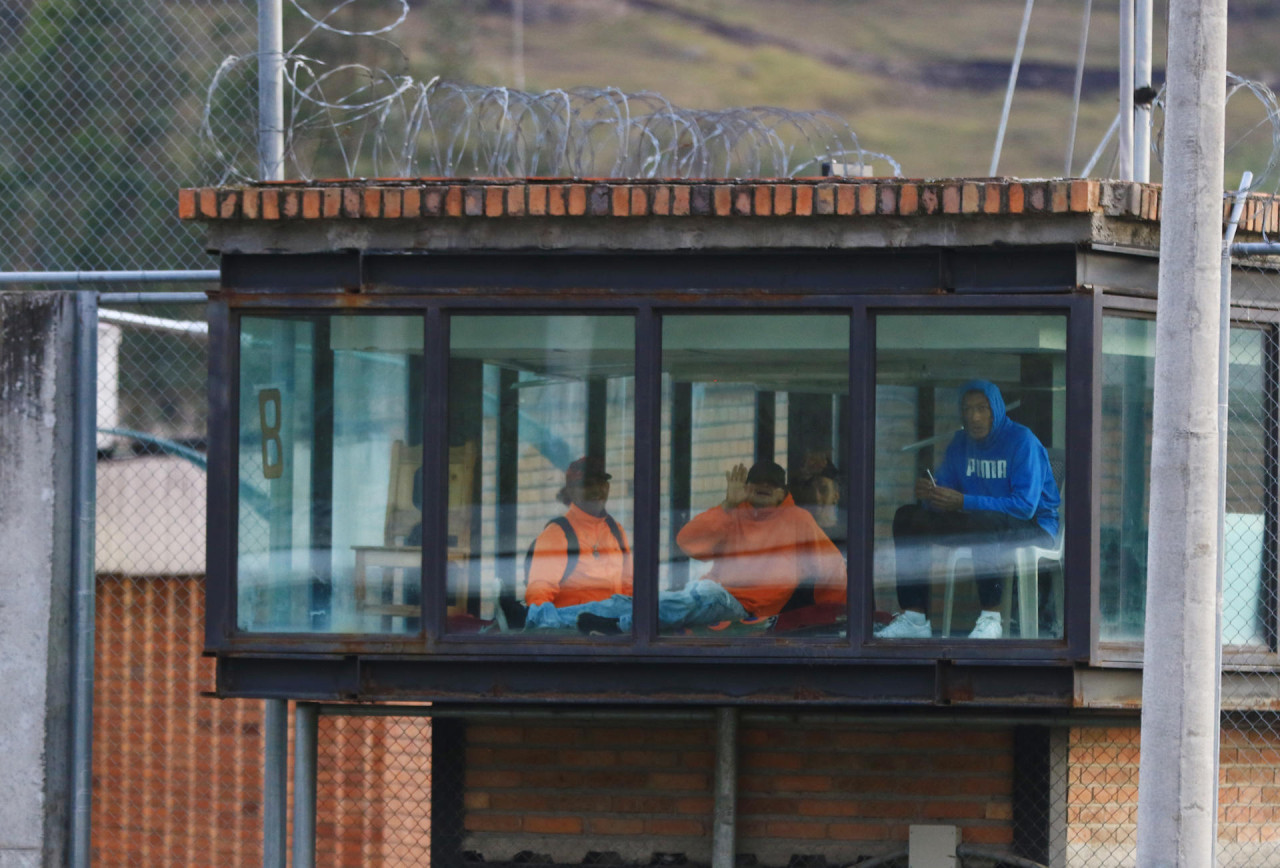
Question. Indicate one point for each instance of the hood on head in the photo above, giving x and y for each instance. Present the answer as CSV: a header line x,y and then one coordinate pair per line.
x,y
994,398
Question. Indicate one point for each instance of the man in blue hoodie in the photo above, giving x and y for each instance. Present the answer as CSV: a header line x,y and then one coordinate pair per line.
x,y
993,492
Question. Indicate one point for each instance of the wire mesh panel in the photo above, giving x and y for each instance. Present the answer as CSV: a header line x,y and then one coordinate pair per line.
x,y
99,115
1249,788
373,791
176,776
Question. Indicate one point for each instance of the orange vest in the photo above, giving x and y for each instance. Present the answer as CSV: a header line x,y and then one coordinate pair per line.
x,y
603,568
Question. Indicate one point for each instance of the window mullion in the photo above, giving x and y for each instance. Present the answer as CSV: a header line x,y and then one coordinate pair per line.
x,y
648,421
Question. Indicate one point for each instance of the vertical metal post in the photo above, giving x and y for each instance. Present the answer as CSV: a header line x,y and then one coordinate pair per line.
x,y
1124,144
270,90
1224,397
724,830
306,719
1142,30
83,603
517,43
1180,718
275,773
1013,84
1079,84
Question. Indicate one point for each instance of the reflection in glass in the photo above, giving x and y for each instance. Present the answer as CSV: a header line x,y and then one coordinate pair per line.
x,y
541,426
1128,380
330,442
744,398
970,429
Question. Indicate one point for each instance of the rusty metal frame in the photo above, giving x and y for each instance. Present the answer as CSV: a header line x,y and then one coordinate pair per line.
x,y
647,285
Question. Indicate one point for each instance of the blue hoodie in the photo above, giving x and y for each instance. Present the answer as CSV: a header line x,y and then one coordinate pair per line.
x,y
1007,471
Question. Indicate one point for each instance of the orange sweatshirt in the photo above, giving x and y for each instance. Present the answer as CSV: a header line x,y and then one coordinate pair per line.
x,y
603,569
762,554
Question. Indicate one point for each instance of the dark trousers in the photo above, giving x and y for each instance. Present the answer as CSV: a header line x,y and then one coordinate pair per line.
x,y
990,536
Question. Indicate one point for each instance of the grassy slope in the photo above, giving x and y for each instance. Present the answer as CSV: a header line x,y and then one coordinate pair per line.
x,y
932,131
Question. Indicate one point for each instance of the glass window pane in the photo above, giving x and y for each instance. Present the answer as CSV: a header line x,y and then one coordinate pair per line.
x,y
1128,389
754,421
541,431
330,439
969,456
1248,596
1128,362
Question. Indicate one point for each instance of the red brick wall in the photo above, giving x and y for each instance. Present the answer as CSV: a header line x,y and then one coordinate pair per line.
x,y
176,777
812,788
1102,791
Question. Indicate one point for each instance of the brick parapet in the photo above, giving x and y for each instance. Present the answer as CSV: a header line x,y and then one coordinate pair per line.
x,y
488,198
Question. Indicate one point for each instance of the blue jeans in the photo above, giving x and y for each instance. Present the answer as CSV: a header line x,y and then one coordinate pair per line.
x,y
698,603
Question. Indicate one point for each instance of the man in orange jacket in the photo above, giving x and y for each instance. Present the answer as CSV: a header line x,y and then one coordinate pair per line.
x,y
582,557
762,545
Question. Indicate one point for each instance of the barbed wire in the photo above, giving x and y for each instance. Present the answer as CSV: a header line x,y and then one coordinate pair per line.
x,y
1263,177
356,120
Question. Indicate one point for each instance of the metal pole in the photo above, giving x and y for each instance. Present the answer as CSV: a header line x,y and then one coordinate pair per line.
x,y
517,40
270,90
724,830
83,606
1013,84
306,718
1079,84
1142,80
152,298
1124,167
1256,248
275,773
1224,396
77,277
1180,718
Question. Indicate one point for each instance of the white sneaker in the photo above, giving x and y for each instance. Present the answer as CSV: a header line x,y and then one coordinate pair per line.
x,y
907,625
987,627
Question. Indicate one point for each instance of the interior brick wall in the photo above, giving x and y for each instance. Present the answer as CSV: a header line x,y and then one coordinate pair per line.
x,y
812,788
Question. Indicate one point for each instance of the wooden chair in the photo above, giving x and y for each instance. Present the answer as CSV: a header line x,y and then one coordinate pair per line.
x,y
380,570
390,560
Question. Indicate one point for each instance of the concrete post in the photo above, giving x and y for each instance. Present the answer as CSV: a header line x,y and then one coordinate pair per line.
x,y
37,414
1178,769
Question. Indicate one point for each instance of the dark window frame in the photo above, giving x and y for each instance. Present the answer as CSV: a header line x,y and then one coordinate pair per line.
x,y
1130,654
647,304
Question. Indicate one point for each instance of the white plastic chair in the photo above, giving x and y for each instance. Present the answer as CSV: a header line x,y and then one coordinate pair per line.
x,y
1026,568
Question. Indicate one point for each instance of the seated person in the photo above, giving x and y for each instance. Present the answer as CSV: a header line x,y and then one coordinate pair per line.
x,y
580,558
993,492
816,488
762,546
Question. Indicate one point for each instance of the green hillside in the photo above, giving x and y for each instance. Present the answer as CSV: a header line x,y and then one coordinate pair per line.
x,y
922,80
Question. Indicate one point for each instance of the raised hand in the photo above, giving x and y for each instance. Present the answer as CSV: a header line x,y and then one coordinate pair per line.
x,y
735,487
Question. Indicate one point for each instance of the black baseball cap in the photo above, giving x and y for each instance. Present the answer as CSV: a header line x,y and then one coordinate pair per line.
x,y
767,471
586,467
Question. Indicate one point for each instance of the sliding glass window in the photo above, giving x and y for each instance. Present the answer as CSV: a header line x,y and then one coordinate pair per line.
x,y
755,416
328,538
1128,380
969,474
541,426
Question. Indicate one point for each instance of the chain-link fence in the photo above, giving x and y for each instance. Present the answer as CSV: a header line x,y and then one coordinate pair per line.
x,y
177,776
1249,811
99,122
